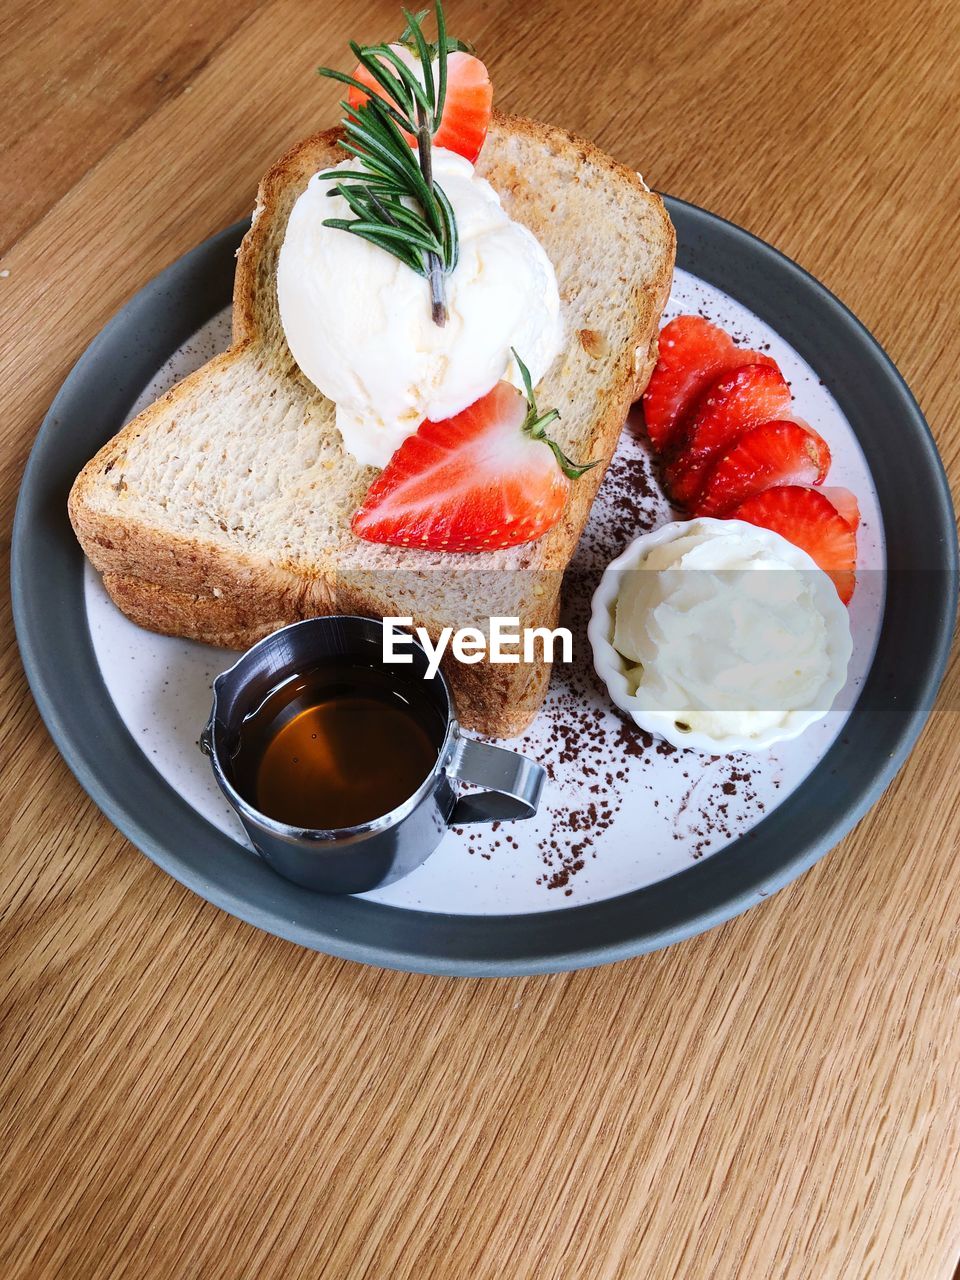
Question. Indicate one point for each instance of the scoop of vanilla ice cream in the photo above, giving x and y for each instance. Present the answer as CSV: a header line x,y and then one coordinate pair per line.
x,y
358,321
728,634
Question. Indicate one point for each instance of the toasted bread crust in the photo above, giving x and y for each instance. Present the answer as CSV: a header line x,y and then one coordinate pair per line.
x,y
186,584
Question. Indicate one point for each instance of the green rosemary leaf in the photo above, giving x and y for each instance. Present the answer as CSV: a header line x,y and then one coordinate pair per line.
x,y
427,197
406,34
419,188
386,79
413,86
404,217
362,151
400,234
387,134
360,178
442,50
361,175
356,200
360,201
390,189
384,210
452,45
412,257
366,123
451,237
377,148
404,120
332,74
373,117
339,224
425,54
360,154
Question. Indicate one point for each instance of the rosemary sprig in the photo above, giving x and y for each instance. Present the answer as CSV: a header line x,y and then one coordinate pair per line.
x,y
407,38
535,425
395,201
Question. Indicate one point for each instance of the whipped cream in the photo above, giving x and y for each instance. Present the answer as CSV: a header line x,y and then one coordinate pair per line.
x,y
358,322
725,650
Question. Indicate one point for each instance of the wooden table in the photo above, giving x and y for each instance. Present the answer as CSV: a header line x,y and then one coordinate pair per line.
x,y
183,1096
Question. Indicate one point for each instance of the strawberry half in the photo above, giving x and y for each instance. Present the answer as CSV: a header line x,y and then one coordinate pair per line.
x,y
810,521
467,106
772,454
488,477
737,401
692,354
846,503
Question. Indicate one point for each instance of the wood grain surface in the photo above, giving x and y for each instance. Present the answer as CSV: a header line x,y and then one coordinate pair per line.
x,y
182,1096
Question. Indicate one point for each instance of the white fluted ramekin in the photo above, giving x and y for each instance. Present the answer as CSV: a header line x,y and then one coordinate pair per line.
x,y
612,668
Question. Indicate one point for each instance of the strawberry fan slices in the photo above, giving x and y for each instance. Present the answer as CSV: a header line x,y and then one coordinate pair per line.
x,y
771,454
748,396
719,418
693,353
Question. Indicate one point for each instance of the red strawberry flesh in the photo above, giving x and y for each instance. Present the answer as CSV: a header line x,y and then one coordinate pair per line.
x,y
735,402
810,521
846,503
473,482
466,109
693,353
764,457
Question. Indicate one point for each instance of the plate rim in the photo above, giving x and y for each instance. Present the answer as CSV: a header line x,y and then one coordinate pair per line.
x,y
685,904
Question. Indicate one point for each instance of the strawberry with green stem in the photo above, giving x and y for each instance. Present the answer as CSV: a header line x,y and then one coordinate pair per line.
x,y
489,477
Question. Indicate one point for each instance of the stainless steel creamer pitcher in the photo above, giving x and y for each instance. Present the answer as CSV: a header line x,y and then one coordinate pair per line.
x,y
354,859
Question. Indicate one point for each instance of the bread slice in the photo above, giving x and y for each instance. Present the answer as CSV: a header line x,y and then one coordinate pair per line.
x,y
223,511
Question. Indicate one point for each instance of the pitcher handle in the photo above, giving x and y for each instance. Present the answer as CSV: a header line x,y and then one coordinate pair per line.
x,y
512,783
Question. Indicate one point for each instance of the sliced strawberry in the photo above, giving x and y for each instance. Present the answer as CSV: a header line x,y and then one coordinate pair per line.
x,y
810,521
692,354
737,401
846,503
775,453
488,477
467,106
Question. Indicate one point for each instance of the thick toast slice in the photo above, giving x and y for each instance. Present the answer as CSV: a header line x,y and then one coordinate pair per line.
x,y
223,511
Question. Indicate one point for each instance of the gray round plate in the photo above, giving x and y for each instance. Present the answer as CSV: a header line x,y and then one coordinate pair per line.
x,y
921,601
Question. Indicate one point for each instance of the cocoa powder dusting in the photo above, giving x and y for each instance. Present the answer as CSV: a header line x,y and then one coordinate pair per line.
x,y
593,756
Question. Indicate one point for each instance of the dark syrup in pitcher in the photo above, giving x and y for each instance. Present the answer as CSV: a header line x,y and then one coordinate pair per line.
x,y
336,746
